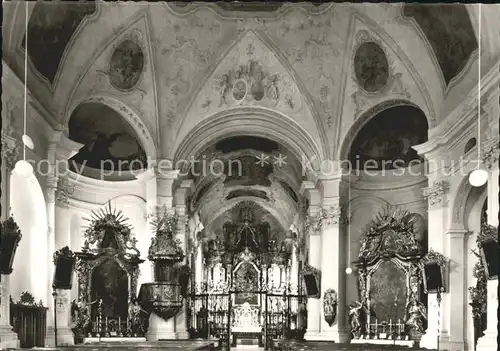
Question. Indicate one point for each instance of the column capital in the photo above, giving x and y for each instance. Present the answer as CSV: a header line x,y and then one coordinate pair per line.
x,y
64,190
10,152
436,193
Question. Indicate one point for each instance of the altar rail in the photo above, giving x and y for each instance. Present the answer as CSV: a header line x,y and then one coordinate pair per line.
x,y
30,323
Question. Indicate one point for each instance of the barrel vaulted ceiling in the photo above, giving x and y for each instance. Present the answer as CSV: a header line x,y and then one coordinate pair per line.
x,y
169,67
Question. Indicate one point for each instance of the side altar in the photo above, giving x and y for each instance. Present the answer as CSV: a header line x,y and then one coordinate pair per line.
x,y
391,307
108,271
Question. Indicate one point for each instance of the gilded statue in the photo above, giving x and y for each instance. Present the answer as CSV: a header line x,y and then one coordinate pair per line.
x,y
134,324
357,318
416,313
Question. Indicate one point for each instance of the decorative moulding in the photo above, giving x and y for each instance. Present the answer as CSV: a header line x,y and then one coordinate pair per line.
x,y
491,153
436,194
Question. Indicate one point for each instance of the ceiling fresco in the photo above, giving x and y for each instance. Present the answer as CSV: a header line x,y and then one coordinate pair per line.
x,y
386,141
50,29
110,143
126,65
371,67
449,31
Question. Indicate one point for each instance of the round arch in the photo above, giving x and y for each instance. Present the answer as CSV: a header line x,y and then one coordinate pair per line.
x,y
258,122
364,118
129,115
33,262
465,195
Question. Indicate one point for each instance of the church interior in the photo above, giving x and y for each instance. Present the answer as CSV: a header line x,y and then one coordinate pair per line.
x,y
250,175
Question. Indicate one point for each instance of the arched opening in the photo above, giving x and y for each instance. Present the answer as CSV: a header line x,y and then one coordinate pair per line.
x,y
33,261
385,141
246,211
471,143
112,150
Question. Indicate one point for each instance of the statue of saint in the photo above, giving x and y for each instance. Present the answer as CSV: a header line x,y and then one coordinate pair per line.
x,y
416,312
357,315
134,318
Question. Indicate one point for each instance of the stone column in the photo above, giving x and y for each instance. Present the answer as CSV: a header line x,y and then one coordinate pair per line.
x,y
489,340
333,259
181,195
436,195
161,181
10,151
314,259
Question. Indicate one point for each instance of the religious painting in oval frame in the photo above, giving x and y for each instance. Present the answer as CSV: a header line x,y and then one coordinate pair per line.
x,y
371,67
126,65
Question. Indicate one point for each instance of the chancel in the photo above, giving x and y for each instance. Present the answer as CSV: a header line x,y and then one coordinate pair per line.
x,y
250,175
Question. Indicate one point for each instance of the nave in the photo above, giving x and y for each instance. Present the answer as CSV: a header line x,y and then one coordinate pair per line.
x,y
289,176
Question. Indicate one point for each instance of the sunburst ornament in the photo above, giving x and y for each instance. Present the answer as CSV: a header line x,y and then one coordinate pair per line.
x,y
163,219
105,219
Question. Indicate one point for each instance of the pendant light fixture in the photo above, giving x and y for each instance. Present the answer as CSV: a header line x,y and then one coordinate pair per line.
x,y
23,167
479,176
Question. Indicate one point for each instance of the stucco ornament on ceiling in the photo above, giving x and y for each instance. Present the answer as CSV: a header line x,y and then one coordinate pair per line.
x,y
255,77
126,65
377,79
184,58
312,43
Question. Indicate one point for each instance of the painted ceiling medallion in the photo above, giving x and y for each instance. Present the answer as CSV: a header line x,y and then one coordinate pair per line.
x,y
371,67
126,65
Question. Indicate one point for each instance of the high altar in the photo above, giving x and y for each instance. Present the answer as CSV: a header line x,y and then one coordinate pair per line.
x,y
249,286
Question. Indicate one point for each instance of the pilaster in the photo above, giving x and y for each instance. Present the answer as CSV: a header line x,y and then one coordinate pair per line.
x,y
10,153
65,336
180,200
50,202
313,239
8,338
488,342
454,338
438,207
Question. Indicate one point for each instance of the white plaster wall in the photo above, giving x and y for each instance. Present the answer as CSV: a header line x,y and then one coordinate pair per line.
x,y
31,260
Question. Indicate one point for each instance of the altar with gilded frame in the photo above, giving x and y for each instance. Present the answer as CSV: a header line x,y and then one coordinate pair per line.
x,y
391,306
108,271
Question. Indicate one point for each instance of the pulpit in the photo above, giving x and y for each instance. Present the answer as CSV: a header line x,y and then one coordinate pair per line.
x,y
108,270
164,298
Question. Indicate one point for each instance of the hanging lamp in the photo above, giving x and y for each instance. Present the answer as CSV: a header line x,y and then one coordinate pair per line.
x,y
23,167
479,176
